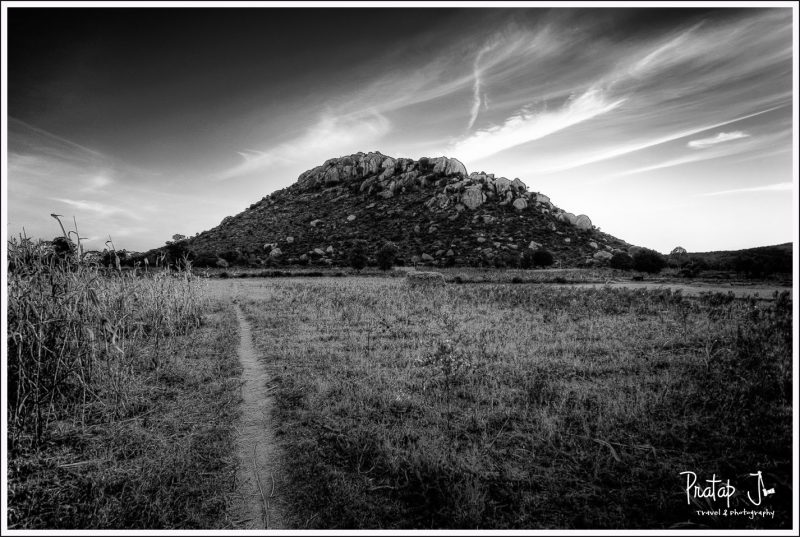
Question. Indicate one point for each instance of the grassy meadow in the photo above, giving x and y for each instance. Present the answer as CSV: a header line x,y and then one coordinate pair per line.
x,y
522,406
509,404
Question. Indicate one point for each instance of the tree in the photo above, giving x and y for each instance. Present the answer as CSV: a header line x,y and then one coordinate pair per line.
x,y
177,250
648,261
526,261
63,247
386,255
621,261
542,258
358,254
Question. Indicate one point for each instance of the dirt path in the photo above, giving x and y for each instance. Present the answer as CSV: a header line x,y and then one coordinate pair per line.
x,y
259,481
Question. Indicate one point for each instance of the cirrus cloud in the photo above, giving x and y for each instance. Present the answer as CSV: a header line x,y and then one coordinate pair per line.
x,y
722,137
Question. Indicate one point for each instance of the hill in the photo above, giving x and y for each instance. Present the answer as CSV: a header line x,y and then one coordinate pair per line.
x,y
754,262
432,209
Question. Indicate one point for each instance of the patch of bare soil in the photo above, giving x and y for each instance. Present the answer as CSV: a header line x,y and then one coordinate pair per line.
x,y
258,502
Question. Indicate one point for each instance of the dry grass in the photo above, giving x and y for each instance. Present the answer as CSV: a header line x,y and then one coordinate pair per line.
x,y
521,406
122,388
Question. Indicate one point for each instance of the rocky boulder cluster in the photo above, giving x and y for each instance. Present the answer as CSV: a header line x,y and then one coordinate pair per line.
x,y
385,177
432,209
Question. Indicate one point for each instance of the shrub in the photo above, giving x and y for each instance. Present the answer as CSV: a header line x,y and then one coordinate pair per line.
x,y
621,261
649,261
386,255
63,248
542,258
511,259
357,258
526,261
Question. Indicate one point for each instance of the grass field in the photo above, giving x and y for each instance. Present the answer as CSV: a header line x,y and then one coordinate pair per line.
x,y
522,406
496,405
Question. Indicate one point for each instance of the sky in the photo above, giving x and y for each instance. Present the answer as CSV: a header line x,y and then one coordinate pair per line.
x,y
666,126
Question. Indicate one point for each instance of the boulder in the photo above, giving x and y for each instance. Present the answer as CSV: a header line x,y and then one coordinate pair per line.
x,y
593,244
314,223
454,166
275,252
388,164
583,222
426,257
534,245
290,240
473,197
519,185
501,185
331,176
329,250
520,204
541,198
351,217
371,163
603,255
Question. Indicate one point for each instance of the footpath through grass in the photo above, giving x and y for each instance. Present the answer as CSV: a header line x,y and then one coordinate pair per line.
x,y
524,406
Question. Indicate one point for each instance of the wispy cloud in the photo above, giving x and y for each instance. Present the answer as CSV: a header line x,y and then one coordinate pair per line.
x,y
671,51
330,136
722,137
476,89
103,209
777,187
625,149
526,126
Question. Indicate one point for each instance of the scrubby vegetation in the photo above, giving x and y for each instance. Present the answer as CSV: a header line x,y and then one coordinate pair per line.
x,y
121,394
387,255
645,260
753,263
509,406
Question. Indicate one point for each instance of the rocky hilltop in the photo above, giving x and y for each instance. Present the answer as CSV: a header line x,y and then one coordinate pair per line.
x,y
432,209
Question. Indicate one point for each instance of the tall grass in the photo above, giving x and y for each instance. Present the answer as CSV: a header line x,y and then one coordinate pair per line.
x,y
122,392
76,334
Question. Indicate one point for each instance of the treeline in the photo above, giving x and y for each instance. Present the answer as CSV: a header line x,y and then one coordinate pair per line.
x,y
759,262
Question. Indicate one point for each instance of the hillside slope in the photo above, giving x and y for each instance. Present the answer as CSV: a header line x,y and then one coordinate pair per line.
x,y
432,209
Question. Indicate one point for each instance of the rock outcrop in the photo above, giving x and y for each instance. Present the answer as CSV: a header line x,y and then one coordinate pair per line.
x,y
432,209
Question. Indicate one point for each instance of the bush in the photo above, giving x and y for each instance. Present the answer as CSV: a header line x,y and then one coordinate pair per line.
x,y
64,248
542,258
386,255
526,261
357,257
621,261
649,261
